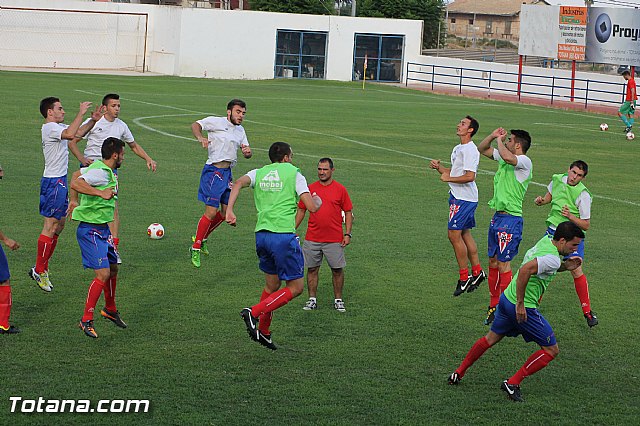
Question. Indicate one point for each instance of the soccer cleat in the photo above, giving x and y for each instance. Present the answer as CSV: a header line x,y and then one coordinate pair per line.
x,y
195,256
627,129
462,286
454,378
45,278
251,322
476,280
339,305
592,319
87,327
38,279
513,391
114,317
265,340
118,258
204,249
311,305
491,315
12,329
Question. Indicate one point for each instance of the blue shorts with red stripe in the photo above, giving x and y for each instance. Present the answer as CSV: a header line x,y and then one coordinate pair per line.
x,y
578,253
534,329
462,214
54,197
4,267
96,245
215,185
280,254
505,234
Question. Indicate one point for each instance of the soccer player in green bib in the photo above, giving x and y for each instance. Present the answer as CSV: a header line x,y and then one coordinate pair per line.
x,y
510,184
517,312
98,188
571,200
277,188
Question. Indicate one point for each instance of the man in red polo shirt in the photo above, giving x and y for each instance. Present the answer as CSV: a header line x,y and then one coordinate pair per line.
x,y
324,237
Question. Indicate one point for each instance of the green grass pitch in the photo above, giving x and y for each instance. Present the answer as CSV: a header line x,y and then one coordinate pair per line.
x,y
384,361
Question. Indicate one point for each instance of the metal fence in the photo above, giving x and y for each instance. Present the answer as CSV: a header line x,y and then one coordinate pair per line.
x,y
584,90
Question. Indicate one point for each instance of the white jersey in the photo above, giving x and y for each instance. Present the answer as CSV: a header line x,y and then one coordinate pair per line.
x,y
583,202
464,157
224,139
55,150
102,130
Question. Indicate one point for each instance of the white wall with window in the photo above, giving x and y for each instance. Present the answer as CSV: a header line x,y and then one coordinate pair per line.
x,y
233,44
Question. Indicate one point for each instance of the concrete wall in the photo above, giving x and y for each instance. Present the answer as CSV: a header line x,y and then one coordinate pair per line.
x,y
237,44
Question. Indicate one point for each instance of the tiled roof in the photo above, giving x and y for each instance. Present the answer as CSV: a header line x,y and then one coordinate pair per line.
x,y
491,7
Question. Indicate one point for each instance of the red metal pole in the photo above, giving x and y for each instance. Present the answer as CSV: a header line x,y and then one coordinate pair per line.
x,y
519,75
573,78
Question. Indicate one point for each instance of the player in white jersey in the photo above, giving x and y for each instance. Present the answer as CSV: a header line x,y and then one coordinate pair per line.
x,y
53,186
463,201
224,136
110,126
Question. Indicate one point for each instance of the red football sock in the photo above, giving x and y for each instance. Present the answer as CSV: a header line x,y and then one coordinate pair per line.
x,y
535,363
201,232
51,250
5,305
505,280
44,246
582,288
95,290
110,294
217,220
476,269
116,241
494,286
273,302
476,351
464,274
265,319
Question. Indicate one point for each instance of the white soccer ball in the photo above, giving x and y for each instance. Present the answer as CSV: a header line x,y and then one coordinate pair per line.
x,y
631,136
155,231
604,127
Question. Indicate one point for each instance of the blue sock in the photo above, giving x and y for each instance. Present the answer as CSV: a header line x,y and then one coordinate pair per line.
x,y
631,120
624,120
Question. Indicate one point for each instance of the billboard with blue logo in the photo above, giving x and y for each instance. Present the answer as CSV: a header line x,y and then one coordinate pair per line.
x,y
613,36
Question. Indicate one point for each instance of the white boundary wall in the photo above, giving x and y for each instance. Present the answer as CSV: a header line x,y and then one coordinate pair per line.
x,y
234,44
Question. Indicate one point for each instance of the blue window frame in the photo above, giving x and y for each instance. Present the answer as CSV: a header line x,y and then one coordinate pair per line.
x,y
300,54
384,56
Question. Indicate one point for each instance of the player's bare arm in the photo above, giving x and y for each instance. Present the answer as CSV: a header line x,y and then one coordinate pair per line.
x,y
83,187
542,200
70,132
311,202
348,223
300,213
246,151
524,274
196,129
73,147
485,147
508,156
570,264
11,244
73,194
582,223
140,152
467,177
240,183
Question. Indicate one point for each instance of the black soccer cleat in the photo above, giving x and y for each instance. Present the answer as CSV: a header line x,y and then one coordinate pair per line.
x,y
251,322
627,129
462,286
11,330
513,391
454,378
592,319
491,315
265,340
87,327
114,317
476,280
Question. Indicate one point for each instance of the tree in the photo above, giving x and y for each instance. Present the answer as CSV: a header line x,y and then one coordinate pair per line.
x,y
312,7
429,11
